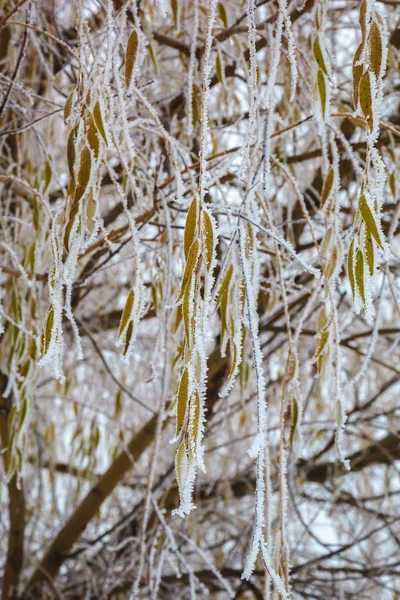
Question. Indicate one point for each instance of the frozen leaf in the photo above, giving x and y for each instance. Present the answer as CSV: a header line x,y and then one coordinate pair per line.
x,y
327,187
375,44
322,91
127,312
209,241
130,56
92,137
357,73
366,98
68,106
190,227
190,266
360,275
369,220
83,174
294,417
369,252
350,266
183,402
48,328
318,55
98,119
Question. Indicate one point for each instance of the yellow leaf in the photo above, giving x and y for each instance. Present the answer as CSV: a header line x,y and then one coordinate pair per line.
x,y
375,49
126,314
190,227
194,420
322,91
92,137
369,220
222,14
319,56
183,401
327,187
360,274
357,73
181,463
219,68
71,150
98,119
47,175
350,267
46,336
369,252
209,241
128,337
130,56
83,174
191,263
68,106
293,420
366,98
225,283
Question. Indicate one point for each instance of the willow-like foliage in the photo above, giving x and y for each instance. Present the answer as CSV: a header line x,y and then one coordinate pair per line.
x,y
199,313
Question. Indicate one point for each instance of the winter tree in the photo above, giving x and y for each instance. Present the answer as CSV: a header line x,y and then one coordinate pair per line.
x,y
199,299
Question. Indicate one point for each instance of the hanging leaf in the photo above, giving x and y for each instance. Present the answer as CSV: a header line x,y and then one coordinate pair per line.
x,y
48,328
130,56
83,174
98,119
194,422
369,220
127,312
128,338
225,283
68,106
209,241
189,268
47,176
322,91
222,14
219,68
327,187
181,465
375,48
360,275
319,56
183,401
350,267
369,252
366,98
294,417
71,150
92,137
190,227
357,73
